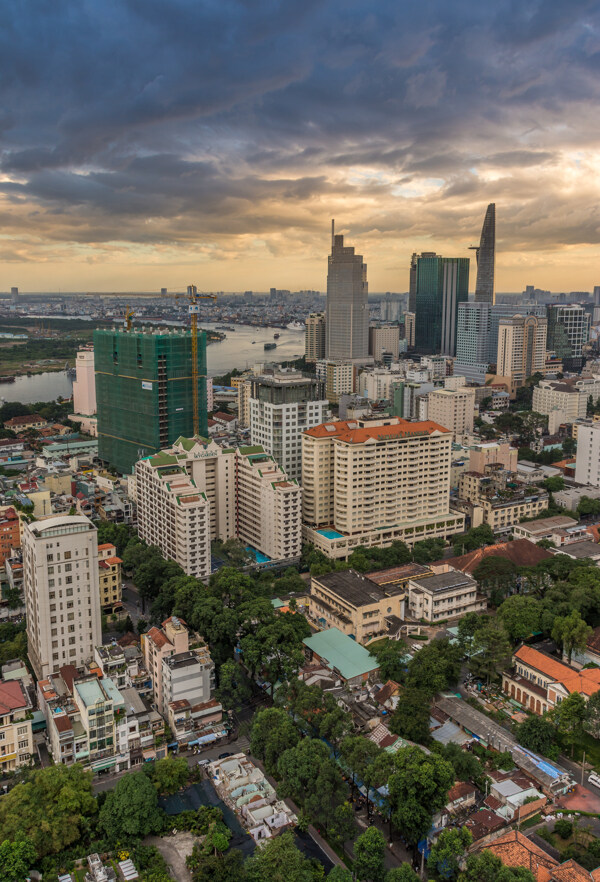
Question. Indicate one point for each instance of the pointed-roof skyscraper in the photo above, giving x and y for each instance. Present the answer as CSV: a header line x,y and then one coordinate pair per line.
x,y
485,252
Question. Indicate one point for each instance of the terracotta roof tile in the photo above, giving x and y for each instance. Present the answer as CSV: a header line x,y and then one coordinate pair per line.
x,y
158,638
586,681
521,552
516,850
459,791
571,871
11,696
350,432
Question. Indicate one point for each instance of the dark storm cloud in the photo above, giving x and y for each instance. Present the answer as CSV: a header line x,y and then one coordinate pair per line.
x,y
181,121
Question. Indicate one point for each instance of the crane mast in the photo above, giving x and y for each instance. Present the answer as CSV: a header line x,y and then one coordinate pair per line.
x,y
194,307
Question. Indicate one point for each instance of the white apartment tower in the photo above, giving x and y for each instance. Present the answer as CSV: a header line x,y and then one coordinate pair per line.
x,y
282,406
347,317
62,596
371,482
84,386
587,465
453,409
195,492
315,337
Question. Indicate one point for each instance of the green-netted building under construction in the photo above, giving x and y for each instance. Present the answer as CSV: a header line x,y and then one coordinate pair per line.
x,y
144,392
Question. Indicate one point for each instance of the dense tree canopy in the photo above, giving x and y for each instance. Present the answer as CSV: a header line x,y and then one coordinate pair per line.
x,y
418,788
131,809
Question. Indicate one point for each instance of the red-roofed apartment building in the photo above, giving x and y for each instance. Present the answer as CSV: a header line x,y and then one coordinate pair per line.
x,y
10,534
109,572
372,482
16,739
539,681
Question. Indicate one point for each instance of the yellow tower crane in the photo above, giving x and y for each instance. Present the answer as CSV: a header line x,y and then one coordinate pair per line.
x,y
194,307
129,313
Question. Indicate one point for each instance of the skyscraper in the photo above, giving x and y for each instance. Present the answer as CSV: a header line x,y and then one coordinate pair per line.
x,y
568,329
521,347
485,290
314,346
347,318
144,392
442,284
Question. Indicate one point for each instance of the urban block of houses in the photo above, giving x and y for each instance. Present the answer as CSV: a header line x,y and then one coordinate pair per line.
x,y
539,682
496,497
244,788
544,528
516,850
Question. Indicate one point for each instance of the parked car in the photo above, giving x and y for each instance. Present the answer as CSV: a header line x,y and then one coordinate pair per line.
x,y
225,755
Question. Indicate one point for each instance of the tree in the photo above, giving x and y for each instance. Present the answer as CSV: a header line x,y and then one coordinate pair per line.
x,y
496,576
592,714
358,753
392,660
169,774
376,775
369,856
52,808
217,838
272,734
131,809
276,648
588,506
411,717
427,550
279,861
418,788
310,777
571,632
520,615
234,687
491,650
486,867
339,874
343,825
569,717
16,859
465,764
538,734
228,867
403,873
435,667
446,853
473,539
467,626
555,484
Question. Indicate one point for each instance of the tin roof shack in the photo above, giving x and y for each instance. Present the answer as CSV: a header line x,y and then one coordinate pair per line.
x,y
244,788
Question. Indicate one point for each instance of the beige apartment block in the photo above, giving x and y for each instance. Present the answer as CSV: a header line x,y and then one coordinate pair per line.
x,y
493,453
84,387
161,643
338,376
371,482
409,329
521,347
384,338
454,409
314,349
499,499
446,593
354,604
109,575
234,493
62,594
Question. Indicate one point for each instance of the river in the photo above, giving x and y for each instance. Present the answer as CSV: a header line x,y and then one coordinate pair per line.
x,y
236,351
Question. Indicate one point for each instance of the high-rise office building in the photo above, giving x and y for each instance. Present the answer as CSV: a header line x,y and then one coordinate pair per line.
x,y
412,283
347,317
14,293
485,252
144,392
568,330
390,308
62,595
442,284
596,295
282,406
371,482
521,347
314,348
473,340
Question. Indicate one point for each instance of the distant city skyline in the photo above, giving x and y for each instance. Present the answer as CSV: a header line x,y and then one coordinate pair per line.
x,y
214,146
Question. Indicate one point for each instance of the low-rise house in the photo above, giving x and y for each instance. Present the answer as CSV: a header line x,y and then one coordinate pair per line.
x,y
25,422
244,788
343,656
516,850
16,738
535,531
446,593
582,550
539,682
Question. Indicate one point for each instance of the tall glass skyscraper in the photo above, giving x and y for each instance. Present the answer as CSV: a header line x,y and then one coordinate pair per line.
x,y
347,318
442,283
485,252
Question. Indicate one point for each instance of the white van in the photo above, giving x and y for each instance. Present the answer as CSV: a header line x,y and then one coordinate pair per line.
x,y
594,779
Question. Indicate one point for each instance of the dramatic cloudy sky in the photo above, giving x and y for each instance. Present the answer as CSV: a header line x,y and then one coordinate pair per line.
x,y
149,143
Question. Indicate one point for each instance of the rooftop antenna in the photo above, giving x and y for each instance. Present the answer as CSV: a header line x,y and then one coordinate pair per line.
x,y
332,232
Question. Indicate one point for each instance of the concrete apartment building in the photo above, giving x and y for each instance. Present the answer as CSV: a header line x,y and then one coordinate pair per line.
x,y
495,497
371,482
282,406
587,465
409,329
62,594
198,491
109,575
339,378
521,347
443,593
384,338
84,387
564,401
493,453
354,604
453,409
10,534
314,348
158,644
16,738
